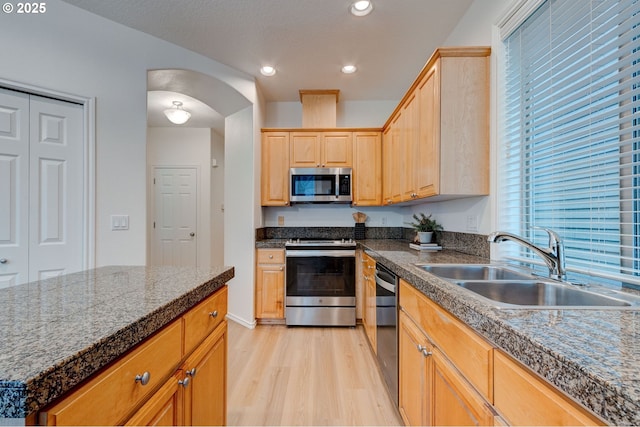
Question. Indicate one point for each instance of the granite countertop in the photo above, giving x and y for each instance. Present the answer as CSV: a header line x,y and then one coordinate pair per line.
x,y
593,355
57,332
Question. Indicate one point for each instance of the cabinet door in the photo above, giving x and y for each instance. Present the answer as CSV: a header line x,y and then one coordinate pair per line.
x,y
205,396
337,150
427,176
275,169
524,398
396,160
414,361
305,149
411,161
387,164
164,408
367,169
270,291
455,401
369,319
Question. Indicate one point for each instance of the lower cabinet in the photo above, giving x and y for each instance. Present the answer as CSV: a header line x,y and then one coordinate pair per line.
x,y
175,377
449,375
270,265
369,311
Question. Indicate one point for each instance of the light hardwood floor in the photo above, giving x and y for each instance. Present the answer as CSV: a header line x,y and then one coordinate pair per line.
x,y
304,376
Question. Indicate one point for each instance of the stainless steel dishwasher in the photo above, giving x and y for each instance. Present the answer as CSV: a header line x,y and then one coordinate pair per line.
x,y
386,327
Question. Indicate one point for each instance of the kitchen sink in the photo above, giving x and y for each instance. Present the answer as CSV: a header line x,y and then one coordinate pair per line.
x,y
474,272
507,287
542,294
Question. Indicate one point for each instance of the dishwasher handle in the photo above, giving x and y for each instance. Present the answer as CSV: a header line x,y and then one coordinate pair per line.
x,y
391,287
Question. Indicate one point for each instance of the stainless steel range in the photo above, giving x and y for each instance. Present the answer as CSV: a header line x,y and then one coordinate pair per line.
x,y
321,282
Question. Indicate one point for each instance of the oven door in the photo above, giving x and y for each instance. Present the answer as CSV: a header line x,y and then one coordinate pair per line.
x,y
320,277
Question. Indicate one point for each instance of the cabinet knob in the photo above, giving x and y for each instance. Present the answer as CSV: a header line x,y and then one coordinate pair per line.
x,y
270,256
3,260
214,314
144,378
191,372
185,382
426,353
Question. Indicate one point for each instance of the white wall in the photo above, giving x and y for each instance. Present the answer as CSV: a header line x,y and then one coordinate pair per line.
x,y
217,200
175,147
70,50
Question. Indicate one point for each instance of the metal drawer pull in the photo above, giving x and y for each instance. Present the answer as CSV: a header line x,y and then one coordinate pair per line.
x,y
191,372
214,313
144,378
184,383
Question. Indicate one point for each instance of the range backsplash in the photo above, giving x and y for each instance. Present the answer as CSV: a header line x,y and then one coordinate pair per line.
x,y
468,243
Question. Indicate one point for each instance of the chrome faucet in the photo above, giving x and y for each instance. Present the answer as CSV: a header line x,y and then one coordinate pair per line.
x,y
553,256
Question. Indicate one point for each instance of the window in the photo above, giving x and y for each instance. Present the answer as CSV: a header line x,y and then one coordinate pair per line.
x,y
570,152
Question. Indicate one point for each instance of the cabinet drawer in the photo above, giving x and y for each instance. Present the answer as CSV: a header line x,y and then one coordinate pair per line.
x,y
470,353
524,398
112,395
270,256
203,318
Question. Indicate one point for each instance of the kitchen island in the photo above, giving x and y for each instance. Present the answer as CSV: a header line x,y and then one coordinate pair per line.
x,y
593,355
58,332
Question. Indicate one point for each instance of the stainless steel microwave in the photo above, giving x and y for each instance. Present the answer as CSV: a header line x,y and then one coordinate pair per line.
x,y
320,185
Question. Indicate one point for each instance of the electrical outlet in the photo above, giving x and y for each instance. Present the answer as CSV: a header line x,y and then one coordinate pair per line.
x,y
472,223
280,220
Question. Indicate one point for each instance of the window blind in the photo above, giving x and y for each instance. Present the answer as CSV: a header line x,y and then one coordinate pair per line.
x,y
570,152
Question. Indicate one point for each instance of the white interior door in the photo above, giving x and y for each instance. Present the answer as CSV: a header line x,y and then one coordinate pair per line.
x,y
175,217
41,187
14,188
56,188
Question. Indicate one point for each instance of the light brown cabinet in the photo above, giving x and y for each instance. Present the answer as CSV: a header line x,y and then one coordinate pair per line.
x,y
321,149
520,395
441,130
143,388
367,169
369,309
432,390
274,185
270,284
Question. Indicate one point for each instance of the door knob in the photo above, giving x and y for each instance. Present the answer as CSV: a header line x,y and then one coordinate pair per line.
x,y
192,234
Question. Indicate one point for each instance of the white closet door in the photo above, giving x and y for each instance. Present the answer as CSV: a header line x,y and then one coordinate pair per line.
x,y
56,188
176,206
14,187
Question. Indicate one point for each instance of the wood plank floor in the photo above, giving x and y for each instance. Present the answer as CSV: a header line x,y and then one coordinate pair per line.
x,y
304,376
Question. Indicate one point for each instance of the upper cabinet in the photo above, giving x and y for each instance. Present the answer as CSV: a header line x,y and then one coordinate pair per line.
x,y
321,149
275,169
367,169
437,140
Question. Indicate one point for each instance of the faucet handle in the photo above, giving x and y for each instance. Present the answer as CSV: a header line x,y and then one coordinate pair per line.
x,y
554,238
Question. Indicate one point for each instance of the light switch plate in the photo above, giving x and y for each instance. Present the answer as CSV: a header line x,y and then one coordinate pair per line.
x,y
119,222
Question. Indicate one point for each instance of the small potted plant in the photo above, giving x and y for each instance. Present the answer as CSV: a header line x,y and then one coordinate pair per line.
x,y
425,226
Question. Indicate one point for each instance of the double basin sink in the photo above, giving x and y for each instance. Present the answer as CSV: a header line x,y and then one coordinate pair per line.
x,y
509,288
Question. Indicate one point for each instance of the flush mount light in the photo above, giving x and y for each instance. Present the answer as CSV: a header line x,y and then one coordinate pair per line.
x,y
268,70
349,69
176,114
361,7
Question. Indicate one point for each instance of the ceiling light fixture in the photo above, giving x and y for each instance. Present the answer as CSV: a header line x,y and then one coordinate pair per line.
x,y
268,70
361,7
349,69
176,114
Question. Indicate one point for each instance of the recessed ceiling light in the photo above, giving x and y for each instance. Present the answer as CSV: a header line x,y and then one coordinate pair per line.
x,y
349,69
268,70
361,7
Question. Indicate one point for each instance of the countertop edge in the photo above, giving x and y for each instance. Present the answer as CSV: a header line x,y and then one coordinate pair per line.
x,y
21,399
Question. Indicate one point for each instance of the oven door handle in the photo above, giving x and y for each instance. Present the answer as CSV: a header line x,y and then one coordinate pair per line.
x,y
338,253
385,285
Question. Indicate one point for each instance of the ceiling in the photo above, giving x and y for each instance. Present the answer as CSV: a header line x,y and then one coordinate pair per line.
x,y
308,41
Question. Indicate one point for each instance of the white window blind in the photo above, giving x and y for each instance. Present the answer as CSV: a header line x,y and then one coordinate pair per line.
x,y
570,152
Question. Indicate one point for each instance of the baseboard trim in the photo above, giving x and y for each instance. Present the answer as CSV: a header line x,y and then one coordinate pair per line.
x,y
241,321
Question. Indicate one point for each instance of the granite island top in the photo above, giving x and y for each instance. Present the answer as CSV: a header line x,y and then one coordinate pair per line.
x,y
59,331
593,354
